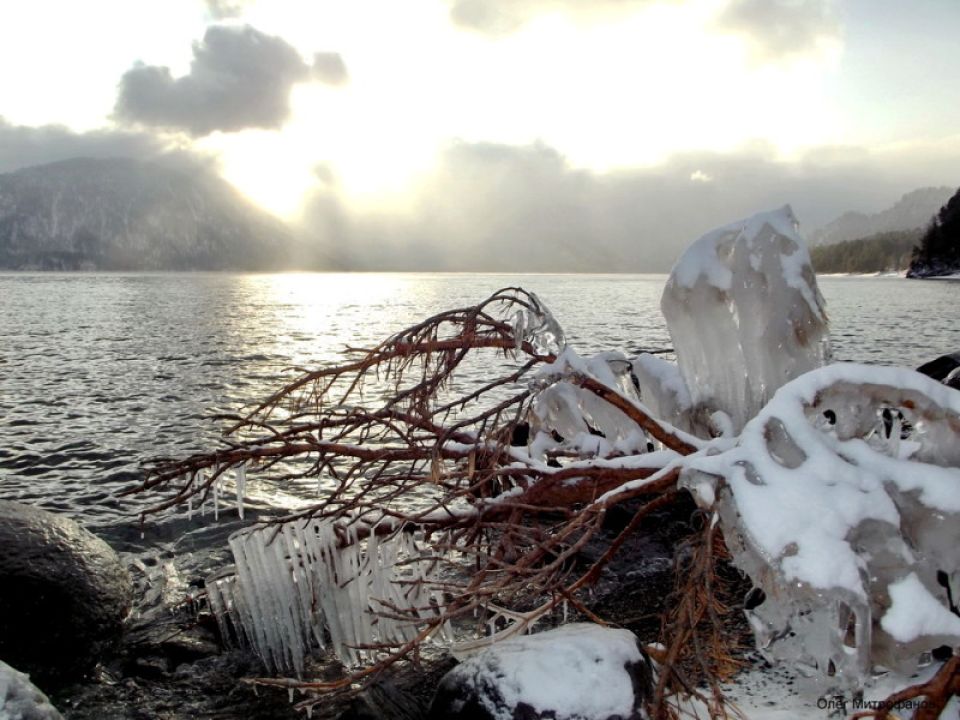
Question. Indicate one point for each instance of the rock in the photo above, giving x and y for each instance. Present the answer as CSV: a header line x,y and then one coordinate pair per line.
x,y
20,699
63,594
953,379
941,368
574,672
384,701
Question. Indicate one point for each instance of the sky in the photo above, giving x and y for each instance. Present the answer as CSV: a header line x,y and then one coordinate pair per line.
x,y
499,134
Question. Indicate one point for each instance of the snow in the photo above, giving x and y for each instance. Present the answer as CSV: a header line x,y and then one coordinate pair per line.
x,y
20,699
765,693
577,670
836,520
914,612
745,314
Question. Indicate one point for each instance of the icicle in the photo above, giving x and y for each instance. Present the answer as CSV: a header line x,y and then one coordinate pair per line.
x,y
241,488
292,584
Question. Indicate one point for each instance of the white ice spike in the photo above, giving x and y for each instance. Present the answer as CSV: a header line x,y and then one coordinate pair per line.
x,y
298,584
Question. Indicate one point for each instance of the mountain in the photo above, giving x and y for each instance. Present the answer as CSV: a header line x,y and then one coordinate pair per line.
x,y
912,211
125,214
939,250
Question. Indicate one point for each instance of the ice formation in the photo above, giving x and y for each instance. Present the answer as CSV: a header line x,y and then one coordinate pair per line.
x,y
298,585
841,500
565,414
745,314
662,389
537,326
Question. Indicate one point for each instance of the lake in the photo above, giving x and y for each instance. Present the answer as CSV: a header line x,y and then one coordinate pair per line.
x,y
101,371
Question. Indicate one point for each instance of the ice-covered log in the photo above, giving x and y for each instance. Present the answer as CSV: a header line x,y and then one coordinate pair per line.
x,y
841,500
745,314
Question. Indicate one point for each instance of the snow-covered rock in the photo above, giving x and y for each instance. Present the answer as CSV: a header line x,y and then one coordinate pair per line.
x,y
20,699
745,314
575,672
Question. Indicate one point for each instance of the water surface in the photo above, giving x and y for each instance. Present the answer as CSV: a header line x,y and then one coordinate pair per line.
x,y
100,371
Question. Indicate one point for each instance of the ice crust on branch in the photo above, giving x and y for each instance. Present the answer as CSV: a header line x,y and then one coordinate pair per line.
x,y
568,416
745,314
295,586
536,325
841,500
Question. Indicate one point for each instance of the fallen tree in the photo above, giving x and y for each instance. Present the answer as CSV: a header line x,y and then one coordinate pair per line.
x,y
460,514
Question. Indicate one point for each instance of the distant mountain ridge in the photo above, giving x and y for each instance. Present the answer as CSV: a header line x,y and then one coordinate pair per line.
x,y
126,214
913,210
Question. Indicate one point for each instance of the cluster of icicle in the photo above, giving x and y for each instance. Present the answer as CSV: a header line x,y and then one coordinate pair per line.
x,y
295,585
216,492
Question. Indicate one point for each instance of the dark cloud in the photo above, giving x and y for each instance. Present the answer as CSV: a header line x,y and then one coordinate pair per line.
x,y
329,68
22,146
499,17
505,208
779,28
239,78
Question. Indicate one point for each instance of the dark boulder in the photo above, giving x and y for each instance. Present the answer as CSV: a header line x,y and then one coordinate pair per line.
x,y
945,368
20,699
63,595
574,672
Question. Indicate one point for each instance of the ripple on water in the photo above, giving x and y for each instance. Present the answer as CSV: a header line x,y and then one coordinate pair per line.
x,y
104,371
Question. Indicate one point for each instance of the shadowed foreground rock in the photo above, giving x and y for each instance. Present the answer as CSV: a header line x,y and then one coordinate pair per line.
x,y
945,368
63,595
575,672
20,699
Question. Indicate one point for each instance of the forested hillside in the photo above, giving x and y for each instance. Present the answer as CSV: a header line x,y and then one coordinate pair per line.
x,y
884,252
939,250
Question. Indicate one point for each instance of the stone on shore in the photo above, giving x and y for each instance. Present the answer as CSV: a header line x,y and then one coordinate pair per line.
x,y
63,595
20,699
574,672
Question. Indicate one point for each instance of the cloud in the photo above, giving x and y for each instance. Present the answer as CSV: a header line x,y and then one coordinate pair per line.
x,y
239,78
778,28
490,207
500,17
329,68
22,146
222,9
